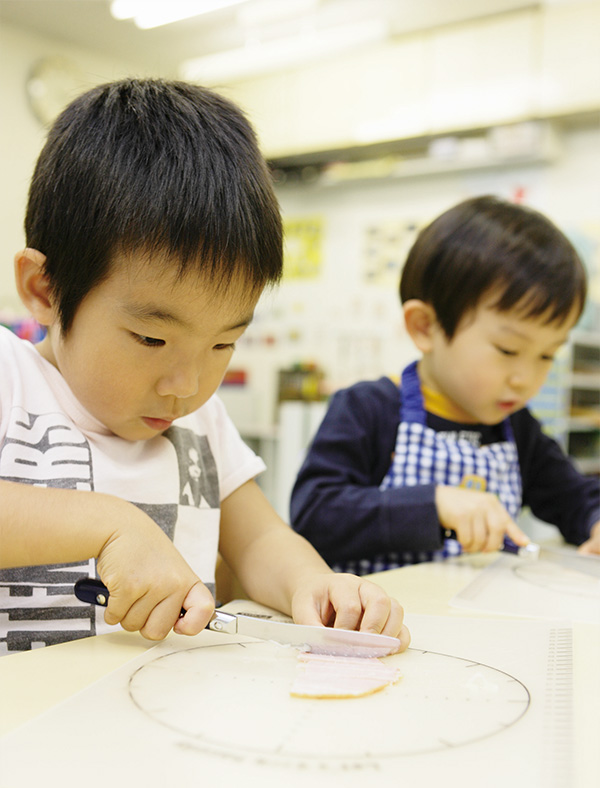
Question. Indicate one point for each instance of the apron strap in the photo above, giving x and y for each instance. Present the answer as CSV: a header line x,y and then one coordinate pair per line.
x,y
412,406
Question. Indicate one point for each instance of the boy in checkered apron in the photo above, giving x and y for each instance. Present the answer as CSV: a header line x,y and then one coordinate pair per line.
x,y
445,461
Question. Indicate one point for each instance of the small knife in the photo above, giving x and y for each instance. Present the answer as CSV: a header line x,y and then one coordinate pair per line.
x,y
568,559
319,640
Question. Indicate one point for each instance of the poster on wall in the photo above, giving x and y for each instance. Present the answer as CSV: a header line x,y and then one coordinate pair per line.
x,y
386,247
303,247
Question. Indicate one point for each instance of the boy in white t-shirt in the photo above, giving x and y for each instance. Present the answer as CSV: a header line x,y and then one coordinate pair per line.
x,y
152,229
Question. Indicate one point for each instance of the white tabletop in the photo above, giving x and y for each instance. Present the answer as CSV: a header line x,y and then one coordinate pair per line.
x,y
34,681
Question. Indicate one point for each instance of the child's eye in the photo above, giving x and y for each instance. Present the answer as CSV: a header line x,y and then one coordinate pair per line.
x,y
225,346
148,341
548,358
505,351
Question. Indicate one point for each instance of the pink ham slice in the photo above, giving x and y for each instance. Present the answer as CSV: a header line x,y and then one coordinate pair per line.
x,y
323,676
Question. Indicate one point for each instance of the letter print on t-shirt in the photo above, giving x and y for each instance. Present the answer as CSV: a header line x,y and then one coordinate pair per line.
x,y
37,607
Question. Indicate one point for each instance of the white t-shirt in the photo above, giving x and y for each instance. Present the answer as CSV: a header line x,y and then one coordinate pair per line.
x,y
47,439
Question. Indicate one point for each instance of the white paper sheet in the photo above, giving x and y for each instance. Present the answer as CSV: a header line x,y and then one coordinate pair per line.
x,y
481,702
540,589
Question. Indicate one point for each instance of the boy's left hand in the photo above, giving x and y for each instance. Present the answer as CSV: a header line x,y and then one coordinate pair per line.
x,y
346,601
592,545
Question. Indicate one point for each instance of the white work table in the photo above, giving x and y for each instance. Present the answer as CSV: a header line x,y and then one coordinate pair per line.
x,y
34,682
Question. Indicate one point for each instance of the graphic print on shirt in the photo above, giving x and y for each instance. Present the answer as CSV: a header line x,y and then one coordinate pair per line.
x,y
197,537
36,603
198,478
37,606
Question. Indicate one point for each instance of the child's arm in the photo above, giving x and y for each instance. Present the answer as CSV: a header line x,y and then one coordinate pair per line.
x,y
148,579
279,568
553,488
337,503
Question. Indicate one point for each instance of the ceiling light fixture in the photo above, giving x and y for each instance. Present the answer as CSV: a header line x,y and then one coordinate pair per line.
x,y
155,13
262,13
258,58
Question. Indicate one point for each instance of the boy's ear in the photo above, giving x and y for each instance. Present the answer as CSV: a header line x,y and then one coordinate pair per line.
x,y
33,287
421,323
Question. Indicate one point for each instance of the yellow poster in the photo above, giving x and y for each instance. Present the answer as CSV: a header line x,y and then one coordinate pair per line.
x,y
303,247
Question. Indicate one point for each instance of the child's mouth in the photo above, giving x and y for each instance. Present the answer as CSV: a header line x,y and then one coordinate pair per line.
x,y
157,424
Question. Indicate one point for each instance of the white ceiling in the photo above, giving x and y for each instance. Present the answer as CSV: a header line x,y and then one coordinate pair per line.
x,y
88,24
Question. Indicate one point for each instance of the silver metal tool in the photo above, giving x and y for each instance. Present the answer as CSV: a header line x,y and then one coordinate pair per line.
x,y
319,640
568,559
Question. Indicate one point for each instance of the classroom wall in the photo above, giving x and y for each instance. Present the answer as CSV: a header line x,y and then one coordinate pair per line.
x,y
538,61
338,305
22,135
350,325
333,316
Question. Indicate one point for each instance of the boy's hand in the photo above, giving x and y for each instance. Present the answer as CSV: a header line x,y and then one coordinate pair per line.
x,y
592,545
478,518
149,581
199,605
346,601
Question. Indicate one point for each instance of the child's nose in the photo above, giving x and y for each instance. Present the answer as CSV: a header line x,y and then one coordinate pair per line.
x,y
522,377
181,382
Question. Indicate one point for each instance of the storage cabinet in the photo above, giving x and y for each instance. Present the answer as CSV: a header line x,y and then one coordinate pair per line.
x,y
582,434
568,405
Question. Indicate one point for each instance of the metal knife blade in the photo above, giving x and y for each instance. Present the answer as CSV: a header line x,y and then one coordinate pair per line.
x,y
569,559
320,640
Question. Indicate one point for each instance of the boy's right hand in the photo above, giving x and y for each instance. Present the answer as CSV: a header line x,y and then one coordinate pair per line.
x,y
478,518
149,581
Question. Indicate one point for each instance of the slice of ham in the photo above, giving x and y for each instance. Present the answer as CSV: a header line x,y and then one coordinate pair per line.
x,y
325,676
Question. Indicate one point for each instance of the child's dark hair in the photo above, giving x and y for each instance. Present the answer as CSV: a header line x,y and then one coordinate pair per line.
x,y
155,167
484,245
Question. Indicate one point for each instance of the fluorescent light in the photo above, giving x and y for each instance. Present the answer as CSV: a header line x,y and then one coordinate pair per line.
x,y
154,13
261,13
260,58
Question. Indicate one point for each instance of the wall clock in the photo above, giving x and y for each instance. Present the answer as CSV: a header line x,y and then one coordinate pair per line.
x,y
52,83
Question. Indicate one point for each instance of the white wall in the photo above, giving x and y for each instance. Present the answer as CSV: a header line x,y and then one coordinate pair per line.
x,y
536,62
354,329
22,135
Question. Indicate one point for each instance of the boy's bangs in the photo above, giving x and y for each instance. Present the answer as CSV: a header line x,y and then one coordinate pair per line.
x,y
555,304
205,265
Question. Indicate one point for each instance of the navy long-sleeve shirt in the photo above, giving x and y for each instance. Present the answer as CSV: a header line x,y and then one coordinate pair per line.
x,y
337,504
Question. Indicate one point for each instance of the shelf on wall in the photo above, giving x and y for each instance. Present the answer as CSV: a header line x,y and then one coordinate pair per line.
x,y
589,381
583,423
518,144
583,380
588,466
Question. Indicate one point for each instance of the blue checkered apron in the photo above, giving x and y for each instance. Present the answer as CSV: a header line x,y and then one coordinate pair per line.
x,y
424,456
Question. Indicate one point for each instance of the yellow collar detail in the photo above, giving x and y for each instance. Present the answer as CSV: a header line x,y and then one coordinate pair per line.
x,y
441,406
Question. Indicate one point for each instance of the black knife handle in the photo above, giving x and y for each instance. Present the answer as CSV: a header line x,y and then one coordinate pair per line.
x,y
94,592
508,547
